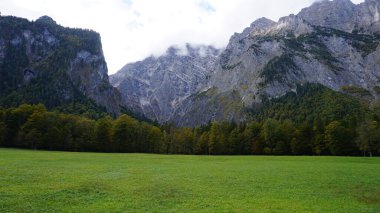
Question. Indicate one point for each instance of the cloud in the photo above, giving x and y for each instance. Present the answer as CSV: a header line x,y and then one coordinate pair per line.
x,y
134,29
205,5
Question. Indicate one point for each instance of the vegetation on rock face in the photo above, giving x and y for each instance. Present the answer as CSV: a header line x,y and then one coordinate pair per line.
x,y
312,43
36,72
313,103
364,43
377,90
274,70
353,90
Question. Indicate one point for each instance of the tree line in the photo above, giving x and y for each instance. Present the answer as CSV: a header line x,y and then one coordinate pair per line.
x,y
34,127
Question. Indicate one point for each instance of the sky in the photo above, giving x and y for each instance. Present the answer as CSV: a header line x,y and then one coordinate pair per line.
x,y
132,30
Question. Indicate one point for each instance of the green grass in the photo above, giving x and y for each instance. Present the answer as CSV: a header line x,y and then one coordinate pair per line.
x,y
39,181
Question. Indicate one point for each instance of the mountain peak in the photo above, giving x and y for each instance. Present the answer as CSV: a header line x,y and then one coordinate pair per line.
x,y
333,2
368,16
258,26
292,24
46,20
344,15
262,22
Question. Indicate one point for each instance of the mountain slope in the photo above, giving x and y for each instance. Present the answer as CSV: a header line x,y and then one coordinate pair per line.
x,y
312,104
42,62
156,86
269,60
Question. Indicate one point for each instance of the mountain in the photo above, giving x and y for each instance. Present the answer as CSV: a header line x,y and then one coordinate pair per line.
x,y
331,43
156,86
344,15
271,59
63,68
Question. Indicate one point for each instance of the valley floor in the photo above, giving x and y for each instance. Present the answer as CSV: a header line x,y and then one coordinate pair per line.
x,y
39,181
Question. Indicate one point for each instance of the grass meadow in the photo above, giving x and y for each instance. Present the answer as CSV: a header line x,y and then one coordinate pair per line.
x,y
43,181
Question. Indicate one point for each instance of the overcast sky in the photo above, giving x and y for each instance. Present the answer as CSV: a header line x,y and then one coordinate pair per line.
x,y
134,29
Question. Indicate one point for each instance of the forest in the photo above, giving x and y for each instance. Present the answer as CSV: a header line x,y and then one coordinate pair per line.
x,y
34,127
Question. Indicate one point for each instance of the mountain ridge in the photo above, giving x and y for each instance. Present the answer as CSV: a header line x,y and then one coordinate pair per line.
x,y
270,59
331,43
157,85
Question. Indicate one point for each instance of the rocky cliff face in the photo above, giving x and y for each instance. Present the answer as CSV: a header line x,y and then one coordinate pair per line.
x,y
344,15
157,86
333,43
42,62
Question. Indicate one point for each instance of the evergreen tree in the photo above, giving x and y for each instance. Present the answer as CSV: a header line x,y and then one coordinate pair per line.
x,y
338,139
103,134
84,135
215,139
155,138
368,139
232,144
124,133
253,142
271,134
301,141
3,133
202,146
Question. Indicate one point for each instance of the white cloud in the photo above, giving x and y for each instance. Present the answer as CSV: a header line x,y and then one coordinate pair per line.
x,y
133,29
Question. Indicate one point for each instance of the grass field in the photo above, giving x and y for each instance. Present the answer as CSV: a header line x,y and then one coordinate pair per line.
x,y
87,182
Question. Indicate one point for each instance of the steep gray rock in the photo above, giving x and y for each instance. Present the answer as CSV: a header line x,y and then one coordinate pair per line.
x,y
344,15
333,43
368,16
268,63
259,26
156,86
90,74
338,14
42,62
